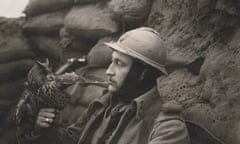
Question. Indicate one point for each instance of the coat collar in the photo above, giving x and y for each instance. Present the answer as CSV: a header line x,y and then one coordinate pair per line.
x,y
104,99
141,103
145,101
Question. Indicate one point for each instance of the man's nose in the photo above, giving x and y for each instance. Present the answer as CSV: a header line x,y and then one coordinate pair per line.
x,y
110,71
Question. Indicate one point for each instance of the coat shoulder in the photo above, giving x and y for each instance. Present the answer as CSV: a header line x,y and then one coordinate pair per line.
x,y
169,127
170,111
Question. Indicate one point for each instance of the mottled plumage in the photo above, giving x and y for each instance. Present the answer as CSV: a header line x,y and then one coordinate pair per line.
x,y
43,90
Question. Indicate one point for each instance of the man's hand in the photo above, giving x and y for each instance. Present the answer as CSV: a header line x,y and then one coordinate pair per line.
x,y
45,117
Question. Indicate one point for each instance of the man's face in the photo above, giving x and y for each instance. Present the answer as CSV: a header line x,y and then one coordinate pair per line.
x,y
118,70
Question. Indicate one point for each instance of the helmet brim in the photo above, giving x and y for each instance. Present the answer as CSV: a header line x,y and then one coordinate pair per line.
x,y
125,50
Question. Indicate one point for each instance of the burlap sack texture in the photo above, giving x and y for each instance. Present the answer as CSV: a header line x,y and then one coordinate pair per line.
x,y
44,19
131,13
73,47
9,92
36,7
15,52
86,22
15,70
69,41
16,58
87,1
13,46
37,27
48,45
90,22
45,23
88,18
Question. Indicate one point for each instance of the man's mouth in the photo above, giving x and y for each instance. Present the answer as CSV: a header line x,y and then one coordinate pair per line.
x,y
111,82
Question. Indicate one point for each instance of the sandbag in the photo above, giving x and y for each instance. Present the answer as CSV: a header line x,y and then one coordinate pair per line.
x,y
131,12
15,70
9,44
11,90
90,21
8,55
13,45
85,1
48,45
51,48
36,7
101,55
46,23
70,41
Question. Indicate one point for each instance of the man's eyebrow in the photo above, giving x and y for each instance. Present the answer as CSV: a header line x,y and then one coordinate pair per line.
x,y
119,59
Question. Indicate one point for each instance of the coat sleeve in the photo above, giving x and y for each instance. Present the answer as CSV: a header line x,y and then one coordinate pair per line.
x,y
54,135
169,129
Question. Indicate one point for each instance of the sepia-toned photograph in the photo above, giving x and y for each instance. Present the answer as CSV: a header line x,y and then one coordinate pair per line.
x,y
120,72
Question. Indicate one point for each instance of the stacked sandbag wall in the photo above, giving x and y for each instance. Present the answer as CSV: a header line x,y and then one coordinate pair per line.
x,y
16,58
75,26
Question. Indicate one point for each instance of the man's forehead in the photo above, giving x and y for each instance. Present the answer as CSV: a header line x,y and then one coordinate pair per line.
x,y
119,55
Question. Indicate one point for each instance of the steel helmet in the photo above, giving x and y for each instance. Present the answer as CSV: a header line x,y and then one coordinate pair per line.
x,y
143,44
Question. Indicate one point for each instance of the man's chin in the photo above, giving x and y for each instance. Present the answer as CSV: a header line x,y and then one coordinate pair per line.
x,y
112,89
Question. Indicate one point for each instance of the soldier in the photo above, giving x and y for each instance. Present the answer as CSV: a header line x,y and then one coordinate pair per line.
x,y
131,110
